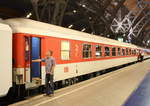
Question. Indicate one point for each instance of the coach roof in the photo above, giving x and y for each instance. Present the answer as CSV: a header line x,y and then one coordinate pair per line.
x,y
22,25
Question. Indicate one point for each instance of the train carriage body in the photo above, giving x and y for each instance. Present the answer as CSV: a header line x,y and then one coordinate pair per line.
x,y
76,53
5,59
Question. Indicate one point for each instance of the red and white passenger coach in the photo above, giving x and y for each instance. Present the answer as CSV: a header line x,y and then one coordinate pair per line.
x,y
76,53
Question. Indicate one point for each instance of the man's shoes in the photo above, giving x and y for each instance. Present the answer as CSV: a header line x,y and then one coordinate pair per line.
x,y
46,95
49,95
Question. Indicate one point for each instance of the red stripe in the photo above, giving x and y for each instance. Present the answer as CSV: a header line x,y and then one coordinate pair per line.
x,y
54,44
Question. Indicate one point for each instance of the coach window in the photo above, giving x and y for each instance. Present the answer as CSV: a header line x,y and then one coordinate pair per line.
x,y
65,50
98,52
113,51
137,51
123,52
87,51
126,51
107,51
119,52
129,51
132,52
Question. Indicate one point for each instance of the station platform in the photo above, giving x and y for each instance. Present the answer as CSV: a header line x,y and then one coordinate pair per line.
x,y
117,88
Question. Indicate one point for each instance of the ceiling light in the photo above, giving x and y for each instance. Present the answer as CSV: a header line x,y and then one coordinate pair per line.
x,y
74,11
83,5
29,15
83,29
70,26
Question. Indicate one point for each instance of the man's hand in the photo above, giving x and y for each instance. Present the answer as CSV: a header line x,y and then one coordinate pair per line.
x,y
37,60
52,69
51,73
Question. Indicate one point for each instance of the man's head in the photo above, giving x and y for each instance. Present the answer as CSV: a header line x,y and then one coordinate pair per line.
x,y
49,53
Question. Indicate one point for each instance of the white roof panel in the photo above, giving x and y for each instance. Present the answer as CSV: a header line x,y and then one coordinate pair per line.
x,y
21,25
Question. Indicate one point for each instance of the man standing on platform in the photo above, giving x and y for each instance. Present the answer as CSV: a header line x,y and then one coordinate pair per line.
x,y
49,68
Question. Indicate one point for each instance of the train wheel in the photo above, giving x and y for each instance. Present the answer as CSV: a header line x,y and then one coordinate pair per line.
x,y
68,82
73,81
91,75
97,74
76,80
63,83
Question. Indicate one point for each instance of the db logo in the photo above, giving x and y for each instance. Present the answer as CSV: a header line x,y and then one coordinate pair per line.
x,y
66,69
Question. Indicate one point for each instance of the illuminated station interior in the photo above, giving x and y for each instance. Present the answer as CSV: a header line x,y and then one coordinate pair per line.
x,y
75,52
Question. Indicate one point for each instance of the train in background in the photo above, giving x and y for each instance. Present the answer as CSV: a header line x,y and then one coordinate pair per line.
x,y
76,53
5,59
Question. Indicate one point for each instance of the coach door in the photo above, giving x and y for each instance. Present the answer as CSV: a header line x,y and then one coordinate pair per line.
x,y
35,54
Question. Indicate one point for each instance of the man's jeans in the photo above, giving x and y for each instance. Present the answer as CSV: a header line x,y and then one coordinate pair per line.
x,y
49,84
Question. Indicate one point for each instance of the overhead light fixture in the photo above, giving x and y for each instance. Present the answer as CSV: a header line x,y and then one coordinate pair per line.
x,y
115,3
108,35
29,15
92,33
74,11
83,29
120,39
83,5
90,18
70,26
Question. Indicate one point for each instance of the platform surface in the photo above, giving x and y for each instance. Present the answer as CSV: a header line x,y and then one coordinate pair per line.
x,y
141,96
111,89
